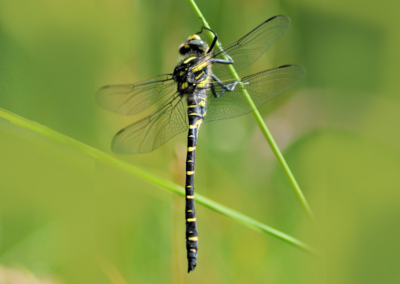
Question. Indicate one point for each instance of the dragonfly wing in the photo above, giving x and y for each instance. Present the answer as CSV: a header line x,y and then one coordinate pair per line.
x,y
151,132
262,87
133,98
250,47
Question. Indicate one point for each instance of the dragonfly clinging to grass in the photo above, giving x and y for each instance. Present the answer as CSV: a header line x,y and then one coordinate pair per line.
x,y
198,92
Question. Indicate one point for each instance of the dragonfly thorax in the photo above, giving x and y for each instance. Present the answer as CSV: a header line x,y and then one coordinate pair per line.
x,y
191,73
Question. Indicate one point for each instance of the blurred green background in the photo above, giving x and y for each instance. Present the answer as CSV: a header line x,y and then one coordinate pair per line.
x,y
67,216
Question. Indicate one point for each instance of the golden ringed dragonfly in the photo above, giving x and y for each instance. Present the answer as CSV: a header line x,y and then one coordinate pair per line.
x,y
198,92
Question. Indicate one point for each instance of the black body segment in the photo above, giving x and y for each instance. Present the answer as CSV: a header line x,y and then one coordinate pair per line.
x,y
197,80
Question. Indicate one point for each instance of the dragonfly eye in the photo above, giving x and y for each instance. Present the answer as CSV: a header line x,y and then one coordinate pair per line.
x,y
198,44
184,49
193,43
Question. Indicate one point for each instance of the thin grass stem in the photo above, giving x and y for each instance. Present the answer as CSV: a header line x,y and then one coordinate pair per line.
x,y
262,126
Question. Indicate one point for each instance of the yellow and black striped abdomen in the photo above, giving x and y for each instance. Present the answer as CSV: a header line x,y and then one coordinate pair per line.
x,y
196,111
195,117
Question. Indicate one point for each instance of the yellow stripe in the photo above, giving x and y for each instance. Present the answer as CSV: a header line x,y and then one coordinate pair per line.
x,y
190,196
193,239
202,103
184,85
192,106
190,211
193,113
189,186
189,59
190,161
196,124
190,149
201,74
190,173
204,114
193,250
191,219
203,83
191,135
199,67
193,37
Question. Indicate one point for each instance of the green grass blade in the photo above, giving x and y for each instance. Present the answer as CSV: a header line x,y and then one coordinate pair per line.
x,y
262,125
161,182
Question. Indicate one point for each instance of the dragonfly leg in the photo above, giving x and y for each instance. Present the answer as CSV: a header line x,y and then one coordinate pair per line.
x,y
222,61
228,88
215,36
213,42
214,92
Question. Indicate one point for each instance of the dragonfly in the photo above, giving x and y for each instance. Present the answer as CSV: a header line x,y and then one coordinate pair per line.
x,y
198,92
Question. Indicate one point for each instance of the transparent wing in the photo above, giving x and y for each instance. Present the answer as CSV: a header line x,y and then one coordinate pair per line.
x,y
134,98
250,47
152,131
262,87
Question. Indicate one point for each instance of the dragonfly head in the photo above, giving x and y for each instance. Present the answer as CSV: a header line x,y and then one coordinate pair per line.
x,y
193,44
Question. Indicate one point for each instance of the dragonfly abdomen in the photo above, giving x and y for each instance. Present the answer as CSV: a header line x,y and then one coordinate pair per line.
x,y
196,111
190,213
